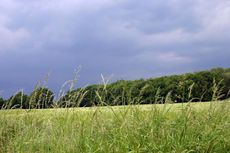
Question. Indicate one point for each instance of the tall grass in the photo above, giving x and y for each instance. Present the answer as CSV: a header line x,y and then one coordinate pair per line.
x,y
191,127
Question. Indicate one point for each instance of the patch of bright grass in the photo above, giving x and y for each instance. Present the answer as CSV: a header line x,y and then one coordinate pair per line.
x,y
191,127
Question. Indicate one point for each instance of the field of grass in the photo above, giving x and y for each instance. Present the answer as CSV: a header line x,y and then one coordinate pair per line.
x,y
191,127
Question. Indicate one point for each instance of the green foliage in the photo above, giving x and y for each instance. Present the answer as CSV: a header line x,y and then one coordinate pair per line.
x,y
73,98
41,98
2,102
200,86
19,100
194,87
226,83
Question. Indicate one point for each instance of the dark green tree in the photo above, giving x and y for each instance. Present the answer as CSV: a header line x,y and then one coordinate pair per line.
x,y
2,102
41,98
19,100
227,84
73,98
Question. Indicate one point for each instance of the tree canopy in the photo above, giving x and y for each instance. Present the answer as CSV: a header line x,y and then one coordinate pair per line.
x,y
200,86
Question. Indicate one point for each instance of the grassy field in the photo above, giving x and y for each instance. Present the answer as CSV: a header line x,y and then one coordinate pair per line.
x,y
191,127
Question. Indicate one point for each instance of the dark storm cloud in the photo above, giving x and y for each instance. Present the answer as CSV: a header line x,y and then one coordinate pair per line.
x,y
130,39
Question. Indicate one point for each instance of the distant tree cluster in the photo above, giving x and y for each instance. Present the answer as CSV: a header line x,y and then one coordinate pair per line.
x,y
39,98
199,86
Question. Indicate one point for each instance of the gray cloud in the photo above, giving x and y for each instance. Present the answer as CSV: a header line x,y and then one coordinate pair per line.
x,y
130,39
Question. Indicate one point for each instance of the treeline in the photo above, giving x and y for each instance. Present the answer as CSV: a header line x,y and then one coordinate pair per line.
x,y
39,98
201,86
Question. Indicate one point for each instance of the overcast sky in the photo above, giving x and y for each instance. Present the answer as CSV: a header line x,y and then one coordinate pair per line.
x,y
129,39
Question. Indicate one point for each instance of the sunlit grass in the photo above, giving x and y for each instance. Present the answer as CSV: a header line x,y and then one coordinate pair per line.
x,y
190,127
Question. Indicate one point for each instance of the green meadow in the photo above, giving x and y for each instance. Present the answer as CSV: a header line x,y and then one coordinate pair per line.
x,y
184,127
